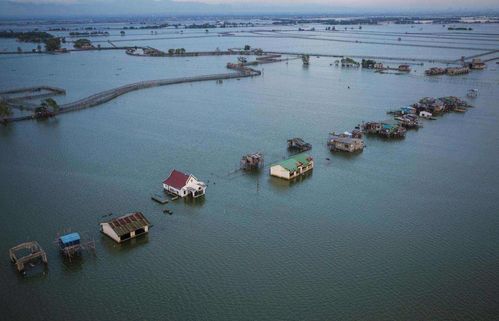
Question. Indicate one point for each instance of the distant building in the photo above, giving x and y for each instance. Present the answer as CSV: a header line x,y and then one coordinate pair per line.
x,y
404,68
425,114
183,185
345,142
126,227
293,167
457,71
477,64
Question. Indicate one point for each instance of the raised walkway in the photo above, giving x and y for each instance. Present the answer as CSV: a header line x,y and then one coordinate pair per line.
x,y
105,96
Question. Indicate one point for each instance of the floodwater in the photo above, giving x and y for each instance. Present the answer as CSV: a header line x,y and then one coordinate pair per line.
x,y
406,230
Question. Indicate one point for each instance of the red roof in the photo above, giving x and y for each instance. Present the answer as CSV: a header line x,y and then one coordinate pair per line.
x,y
177,179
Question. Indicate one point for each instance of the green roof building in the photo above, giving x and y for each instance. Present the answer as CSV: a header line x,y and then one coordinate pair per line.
x,y
292,167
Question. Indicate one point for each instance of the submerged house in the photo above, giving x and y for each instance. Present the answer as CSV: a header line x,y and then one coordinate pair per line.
x,y
293,167
183,185
126,227
345,144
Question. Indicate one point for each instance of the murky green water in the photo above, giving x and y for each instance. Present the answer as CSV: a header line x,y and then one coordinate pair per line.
x,y
407,230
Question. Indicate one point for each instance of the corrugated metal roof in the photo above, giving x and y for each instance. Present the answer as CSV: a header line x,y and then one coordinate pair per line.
x,y
128,223
289,164
303,158
72,237
293,163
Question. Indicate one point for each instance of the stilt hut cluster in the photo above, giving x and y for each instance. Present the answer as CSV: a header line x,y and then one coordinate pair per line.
x,y
386,129
435,71
441,105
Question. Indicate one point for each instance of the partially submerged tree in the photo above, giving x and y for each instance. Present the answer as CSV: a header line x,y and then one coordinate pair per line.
x,y
5,110
82,44
52,104
52,44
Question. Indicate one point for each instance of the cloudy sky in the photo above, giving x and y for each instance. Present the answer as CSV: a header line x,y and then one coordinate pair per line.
x,y
34,8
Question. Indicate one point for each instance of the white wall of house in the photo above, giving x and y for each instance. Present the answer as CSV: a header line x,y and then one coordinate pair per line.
x,y
279,171
106,229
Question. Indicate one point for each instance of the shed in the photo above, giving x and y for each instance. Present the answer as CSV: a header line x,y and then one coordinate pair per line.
x,y
126,227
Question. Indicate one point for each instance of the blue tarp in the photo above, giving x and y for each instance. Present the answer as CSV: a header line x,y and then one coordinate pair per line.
x,y
70,239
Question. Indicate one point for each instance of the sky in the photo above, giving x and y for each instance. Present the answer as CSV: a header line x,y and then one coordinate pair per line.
x,y
63,8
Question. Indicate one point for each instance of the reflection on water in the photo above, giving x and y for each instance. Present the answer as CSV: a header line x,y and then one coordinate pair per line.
x,y
113,248
281,184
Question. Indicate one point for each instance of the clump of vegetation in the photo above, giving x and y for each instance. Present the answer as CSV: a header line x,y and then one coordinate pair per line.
x,y
82,43
50,103
247,47
201,26
29,36
52,44
368,63
178,51
5,110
